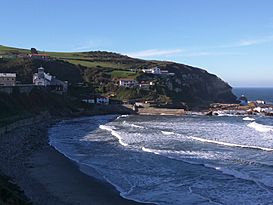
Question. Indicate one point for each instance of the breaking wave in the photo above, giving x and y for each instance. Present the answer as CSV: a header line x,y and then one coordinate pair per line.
x,y
267,185
260,127
114,133
230,144
167,133
248,119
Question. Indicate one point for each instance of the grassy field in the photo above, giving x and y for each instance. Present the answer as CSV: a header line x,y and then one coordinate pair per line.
x,y
123,74
93,59
91,64
4,50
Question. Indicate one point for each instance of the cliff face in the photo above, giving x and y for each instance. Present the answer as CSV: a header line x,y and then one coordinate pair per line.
x,y
194,85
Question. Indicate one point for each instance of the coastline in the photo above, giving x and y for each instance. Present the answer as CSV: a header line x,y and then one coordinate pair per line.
x,y
45,175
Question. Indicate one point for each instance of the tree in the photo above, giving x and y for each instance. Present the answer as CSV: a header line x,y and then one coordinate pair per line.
x,y
33,51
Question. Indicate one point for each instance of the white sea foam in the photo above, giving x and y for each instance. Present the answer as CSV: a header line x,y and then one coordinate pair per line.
x,y
167,133
259,127
174,154
248,119
132,125
228,171
114,133
149,150
122,116
230,144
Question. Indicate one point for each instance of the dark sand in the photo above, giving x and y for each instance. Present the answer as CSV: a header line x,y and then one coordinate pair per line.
x,y
62,179
48,177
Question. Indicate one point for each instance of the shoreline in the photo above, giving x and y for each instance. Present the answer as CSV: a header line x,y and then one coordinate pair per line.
x,y
48,177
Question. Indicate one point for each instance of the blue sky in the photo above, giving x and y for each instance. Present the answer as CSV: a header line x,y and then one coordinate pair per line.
x,y
230,38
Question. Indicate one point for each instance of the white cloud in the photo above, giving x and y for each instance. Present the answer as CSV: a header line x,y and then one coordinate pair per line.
x,y
208,53
86,46
154,53
249,42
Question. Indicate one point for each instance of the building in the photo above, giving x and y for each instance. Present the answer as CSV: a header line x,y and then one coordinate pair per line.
x,y
243,101
154,70
129,83
89,100
7,79
144,86
45,79
39,56
102,100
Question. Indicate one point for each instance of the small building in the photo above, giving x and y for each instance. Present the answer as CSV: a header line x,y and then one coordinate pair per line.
x,y
102,100
154,70
7,79
260,102
243,100
45,79
144,86
39,56
89,100
129,83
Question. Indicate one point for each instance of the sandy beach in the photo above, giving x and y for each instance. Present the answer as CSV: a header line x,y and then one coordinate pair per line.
x,y
45,175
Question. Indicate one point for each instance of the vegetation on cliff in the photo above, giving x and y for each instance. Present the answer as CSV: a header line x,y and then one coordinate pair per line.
x,y
102,70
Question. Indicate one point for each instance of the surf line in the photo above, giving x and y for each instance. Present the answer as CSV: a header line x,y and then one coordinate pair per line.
x,y
230,144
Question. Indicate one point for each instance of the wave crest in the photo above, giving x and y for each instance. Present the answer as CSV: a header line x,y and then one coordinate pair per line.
x,y
114,133
259,127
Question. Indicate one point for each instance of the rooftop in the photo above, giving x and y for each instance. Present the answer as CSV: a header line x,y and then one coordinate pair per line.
x,y
10,75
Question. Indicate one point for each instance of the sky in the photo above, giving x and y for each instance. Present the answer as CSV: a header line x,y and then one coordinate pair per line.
x,y
230,38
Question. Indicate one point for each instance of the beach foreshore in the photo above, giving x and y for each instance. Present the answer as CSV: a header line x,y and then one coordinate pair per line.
x,y
47,176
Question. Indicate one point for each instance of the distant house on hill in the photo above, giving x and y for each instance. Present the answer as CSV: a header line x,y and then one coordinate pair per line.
x,y
102,100
129,83
154,70
7,79
45,79
95,99
39,56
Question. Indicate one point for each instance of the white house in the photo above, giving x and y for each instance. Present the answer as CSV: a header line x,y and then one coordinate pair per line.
x,y
154,70
128,83
7,79
89,100
45,79
102,100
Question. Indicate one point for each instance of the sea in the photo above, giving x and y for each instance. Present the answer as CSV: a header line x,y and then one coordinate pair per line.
x,y
175,160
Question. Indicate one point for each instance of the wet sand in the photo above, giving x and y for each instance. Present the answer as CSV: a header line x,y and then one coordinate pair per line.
x,y
46,176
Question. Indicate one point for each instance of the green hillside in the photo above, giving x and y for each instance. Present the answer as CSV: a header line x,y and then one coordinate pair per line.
x,y
101,70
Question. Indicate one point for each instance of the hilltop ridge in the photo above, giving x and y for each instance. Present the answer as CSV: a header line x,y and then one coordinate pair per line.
x,y
102,70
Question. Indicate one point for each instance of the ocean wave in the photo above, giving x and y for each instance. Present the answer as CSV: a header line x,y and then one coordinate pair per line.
x,y
149,150
114,133
264,184
132,125
260,127
167,133
248,119
122,116
191,154
231,144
